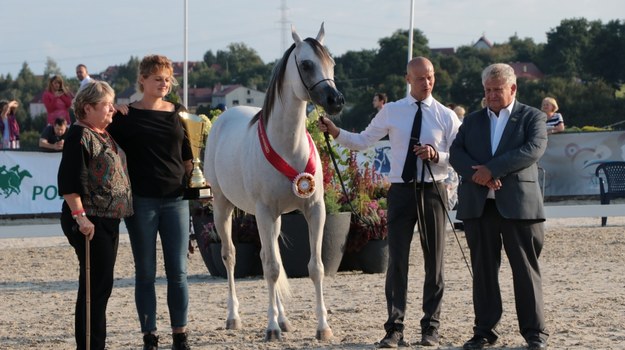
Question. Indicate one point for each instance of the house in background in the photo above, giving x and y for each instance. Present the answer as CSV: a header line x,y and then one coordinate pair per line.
x,y
447,51
36,106
227,95
128,96
527,70
236,95
483,43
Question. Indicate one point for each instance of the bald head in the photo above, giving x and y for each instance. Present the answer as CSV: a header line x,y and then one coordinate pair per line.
x,y
420,76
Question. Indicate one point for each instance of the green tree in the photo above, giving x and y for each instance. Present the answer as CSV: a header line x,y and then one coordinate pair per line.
x,y
605,59
566,45
51,69
391,58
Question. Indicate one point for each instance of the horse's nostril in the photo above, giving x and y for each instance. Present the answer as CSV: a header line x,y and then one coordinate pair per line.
x,y
337,100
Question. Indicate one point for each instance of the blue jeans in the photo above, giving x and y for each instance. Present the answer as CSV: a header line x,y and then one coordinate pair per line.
x,y
170,218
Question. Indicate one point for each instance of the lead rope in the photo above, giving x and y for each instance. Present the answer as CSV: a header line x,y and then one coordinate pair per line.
x,y
453,229
326,136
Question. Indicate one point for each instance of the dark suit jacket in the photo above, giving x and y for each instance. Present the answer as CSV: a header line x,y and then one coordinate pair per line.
x,y
522,144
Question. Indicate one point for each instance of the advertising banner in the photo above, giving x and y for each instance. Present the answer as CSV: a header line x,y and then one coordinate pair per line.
x,y
28,183
571,159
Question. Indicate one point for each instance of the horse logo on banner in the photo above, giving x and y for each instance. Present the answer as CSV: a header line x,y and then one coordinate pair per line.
x,y
11,180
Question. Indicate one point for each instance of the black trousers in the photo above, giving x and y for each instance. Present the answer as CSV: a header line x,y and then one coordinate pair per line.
x,y
402,218
103,252
522,241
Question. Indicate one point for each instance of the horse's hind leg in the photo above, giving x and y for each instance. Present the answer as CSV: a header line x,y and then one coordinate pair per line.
x,y
315,219
222,211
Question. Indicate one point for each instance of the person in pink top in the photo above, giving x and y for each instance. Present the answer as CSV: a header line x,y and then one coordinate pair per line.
x,y
57,100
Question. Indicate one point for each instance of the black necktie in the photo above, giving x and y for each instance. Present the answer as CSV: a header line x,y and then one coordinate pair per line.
x,y
410,165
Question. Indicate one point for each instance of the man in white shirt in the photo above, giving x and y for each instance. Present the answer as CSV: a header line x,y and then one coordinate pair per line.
x,y
438,129
82,75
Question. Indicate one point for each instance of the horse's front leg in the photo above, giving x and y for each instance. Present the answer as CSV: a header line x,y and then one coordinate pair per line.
x,y
222,211
316,218
277,284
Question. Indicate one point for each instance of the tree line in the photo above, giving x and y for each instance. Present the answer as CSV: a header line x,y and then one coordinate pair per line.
x,y
581,60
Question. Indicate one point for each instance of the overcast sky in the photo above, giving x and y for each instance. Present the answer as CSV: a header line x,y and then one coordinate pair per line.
x,y
103,33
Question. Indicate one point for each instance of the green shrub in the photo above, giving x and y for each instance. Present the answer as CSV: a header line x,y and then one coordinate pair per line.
x,y
29,140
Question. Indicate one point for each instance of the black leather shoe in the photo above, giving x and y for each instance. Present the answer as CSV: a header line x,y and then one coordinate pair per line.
x,y
180,342
150,342
429,337
536,345
393,339
477,342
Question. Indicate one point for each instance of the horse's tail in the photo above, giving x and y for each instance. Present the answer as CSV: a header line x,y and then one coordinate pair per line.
x,y
283,289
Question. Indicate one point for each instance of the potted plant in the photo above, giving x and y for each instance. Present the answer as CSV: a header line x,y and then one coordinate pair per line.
x,y
245,238
367,247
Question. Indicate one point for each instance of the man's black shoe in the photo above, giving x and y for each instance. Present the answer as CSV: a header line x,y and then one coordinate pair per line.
x,y
477,342
393,339
429,337
536,345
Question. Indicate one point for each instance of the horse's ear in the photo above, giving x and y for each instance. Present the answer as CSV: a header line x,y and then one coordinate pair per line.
x,y
321,35
296,37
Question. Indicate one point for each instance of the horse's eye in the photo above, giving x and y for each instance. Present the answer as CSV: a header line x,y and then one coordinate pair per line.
x,y
307,65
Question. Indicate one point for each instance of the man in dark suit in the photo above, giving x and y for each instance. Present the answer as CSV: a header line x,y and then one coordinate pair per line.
x,y
496,151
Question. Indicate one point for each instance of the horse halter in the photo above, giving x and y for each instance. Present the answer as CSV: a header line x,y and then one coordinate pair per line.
x,y
302,78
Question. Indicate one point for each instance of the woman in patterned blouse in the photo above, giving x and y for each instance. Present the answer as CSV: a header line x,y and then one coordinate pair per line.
x,y
93,180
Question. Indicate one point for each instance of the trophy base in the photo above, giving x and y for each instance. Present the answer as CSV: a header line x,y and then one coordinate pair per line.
x,y
198,193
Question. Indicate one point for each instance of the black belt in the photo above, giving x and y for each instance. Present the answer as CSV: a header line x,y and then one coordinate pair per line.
x,y
418,184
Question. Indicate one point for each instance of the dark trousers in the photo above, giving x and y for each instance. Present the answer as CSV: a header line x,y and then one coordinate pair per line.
x,y
402,218
522,241
103,252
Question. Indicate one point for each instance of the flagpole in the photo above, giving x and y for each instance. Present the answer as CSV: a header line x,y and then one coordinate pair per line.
x,y
185,69
410,35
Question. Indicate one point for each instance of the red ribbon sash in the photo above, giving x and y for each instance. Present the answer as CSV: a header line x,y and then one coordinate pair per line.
x,y
280,164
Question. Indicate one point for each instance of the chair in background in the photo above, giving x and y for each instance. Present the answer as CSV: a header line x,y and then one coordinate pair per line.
x,y
611,183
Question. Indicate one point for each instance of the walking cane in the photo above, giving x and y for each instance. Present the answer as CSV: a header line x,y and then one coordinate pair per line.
x,y
88,292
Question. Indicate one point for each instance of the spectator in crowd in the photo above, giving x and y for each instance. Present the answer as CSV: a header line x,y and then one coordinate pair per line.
x,y
53,136
159,159
93,181
57,100
379,99
459,110
9,128
555,122
82,75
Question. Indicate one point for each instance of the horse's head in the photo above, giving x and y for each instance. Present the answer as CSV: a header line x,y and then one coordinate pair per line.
x,y
315,69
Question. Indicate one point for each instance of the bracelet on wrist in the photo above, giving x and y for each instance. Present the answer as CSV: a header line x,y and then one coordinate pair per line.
x,y
77,213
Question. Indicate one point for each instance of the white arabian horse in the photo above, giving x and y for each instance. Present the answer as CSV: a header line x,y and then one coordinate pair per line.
x,y
237,165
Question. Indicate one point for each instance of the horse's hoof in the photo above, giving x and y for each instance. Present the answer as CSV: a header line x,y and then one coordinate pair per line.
x,y
273,335
324,334
234,324
286,326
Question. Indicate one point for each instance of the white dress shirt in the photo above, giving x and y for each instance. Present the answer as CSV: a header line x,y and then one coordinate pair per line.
x,y
438,128
497,125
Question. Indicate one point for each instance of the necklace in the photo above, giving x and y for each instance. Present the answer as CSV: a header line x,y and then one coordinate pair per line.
x,y
104,137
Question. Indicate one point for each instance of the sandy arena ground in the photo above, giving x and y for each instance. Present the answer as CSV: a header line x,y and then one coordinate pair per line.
x,y
583,268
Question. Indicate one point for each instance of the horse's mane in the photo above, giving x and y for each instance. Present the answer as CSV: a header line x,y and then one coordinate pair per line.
x,y
277,78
